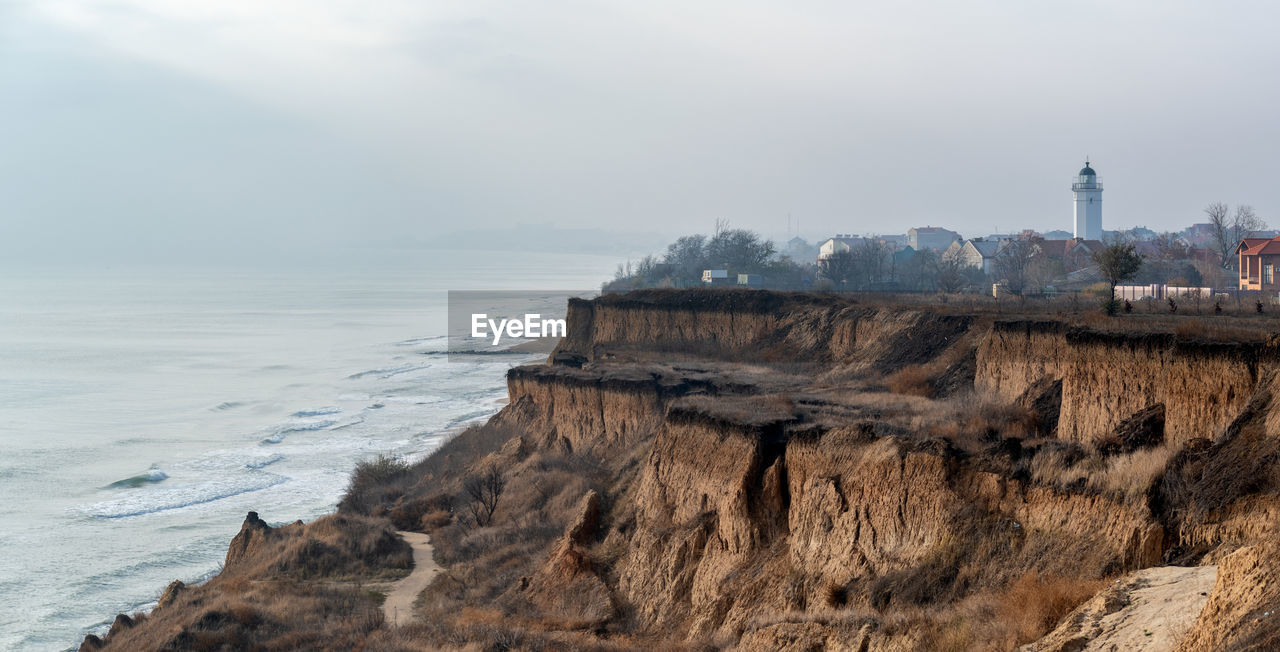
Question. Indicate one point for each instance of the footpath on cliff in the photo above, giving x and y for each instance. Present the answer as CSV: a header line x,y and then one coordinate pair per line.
x,y
398,607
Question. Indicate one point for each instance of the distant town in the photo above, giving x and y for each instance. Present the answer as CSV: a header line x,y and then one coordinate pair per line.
x,y
1231,251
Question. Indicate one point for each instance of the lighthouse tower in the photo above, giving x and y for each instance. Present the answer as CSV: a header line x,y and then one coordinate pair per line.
x,y
1087,189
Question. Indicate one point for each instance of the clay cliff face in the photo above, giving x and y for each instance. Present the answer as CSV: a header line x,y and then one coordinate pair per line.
x,y
718,500
1106,378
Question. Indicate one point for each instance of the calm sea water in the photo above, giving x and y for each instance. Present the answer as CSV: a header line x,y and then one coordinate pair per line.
x,y
143,412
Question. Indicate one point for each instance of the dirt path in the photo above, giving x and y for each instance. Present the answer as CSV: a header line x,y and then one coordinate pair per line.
x,y
401,595
1151,610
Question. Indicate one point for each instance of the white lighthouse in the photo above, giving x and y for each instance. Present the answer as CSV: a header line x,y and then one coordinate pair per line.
x,y
1087,189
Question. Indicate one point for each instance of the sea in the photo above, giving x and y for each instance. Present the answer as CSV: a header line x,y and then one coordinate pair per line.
x,y
145,410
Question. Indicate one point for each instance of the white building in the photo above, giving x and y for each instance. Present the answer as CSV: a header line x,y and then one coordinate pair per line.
x,y
977,253
715,276
922,238
843,242
1087,189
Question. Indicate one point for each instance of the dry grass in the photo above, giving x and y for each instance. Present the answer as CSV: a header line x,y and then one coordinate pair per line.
x,y
1212,330
972,422
1025,610
1034,604
298,588
1127,477
912,380
994,620
745,410
1131,475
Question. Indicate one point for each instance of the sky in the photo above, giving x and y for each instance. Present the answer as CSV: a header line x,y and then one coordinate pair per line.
x,y
181,129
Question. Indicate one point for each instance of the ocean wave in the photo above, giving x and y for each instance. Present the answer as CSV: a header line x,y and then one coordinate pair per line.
x,y
327,424
228,405
263,462
317,412
181,496
470,416
388,372
347,424
307,427
421,340
151,476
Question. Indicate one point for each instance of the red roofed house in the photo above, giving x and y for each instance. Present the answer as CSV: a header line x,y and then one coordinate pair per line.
x,y
1259,258
1075,253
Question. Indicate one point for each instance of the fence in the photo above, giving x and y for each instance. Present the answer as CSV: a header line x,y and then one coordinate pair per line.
x,y
1160,291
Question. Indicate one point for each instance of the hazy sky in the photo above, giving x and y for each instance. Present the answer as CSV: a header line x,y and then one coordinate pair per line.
x,y
147,127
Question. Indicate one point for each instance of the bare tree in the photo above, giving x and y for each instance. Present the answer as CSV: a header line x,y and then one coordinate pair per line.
x,y
839,268
1229,229
483,491
1019,263
920,271
739,250
1169,247
870,257
1243,225
951,272
1221,229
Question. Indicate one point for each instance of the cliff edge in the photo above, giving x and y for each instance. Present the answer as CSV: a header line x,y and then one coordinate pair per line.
x,y
694,469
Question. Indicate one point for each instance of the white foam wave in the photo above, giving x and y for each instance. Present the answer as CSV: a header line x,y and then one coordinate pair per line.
x,y
388,372
263,462
180,496
150,476
422,340
317,412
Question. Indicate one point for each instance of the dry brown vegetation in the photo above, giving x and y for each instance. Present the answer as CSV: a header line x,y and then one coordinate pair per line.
x,y
293,587
913,380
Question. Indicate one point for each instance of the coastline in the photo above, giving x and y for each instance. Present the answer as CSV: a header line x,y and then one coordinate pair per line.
x,y
819,470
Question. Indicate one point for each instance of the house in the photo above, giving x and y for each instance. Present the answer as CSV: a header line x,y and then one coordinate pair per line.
x,y
896,242
977,253
1079,253
933,238
841,243
1199,235
1258,258
799,249
1075,253
715,276
1146,249
902,256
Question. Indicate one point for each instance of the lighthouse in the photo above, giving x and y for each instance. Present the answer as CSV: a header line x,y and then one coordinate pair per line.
x,y
1087,189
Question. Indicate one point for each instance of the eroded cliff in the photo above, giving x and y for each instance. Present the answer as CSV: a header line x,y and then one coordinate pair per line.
x,y
766,471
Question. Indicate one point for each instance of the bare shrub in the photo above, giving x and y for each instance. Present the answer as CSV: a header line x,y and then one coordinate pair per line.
x,y
835,595
375,484
482,492
912,380
1033,604
1130,476
972,423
